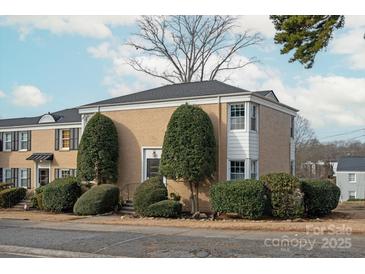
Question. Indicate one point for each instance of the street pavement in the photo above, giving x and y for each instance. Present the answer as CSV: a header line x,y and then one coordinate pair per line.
x,y
22,238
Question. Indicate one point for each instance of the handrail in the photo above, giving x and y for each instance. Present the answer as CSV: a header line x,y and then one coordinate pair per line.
x,y
127,186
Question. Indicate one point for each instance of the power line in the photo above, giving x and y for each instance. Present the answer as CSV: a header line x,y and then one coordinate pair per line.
x,y
344,133
356,137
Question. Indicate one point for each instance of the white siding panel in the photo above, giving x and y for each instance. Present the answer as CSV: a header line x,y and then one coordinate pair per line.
x,y
238,144
253,146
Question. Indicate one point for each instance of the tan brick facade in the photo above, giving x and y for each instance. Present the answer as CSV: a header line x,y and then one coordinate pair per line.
x,y
274,141
42,141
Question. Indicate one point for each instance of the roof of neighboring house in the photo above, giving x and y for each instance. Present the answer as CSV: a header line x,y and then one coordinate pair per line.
x,y
70,115
351,163
176,91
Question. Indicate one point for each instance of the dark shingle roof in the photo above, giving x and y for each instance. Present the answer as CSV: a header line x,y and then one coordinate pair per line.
x,y
174,91
70,115
351,163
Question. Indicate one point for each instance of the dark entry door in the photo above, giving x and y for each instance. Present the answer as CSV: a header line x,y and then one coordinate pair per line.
x,y
153,167
43,177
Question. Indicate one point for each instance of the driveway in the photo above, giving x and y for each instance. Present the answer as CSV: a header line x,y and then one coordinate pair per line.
x,y
21,238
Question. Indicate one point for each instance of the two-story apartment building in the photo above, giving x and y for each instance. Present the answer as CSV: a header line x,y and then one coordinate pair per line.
x,y
254,134
36,150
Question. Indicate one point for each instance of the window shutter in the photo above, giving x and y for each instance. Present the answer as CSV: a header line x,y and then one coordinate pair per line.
x,y
14,176
1,141
74,138
57,139
29,140
16,142
57,173
1,174
29,176
77,137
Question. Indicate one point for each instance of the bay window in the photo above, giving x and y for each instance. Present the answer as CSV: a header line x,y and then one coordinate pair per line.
x,y
237,116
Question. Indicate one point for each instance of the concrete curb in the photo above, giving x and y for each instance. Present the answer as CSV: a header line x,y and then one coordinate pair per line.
x,y
48,253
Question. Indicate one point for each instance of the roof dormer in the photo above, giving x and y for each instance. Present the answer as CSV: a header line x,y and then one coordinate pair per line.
x,y
47,118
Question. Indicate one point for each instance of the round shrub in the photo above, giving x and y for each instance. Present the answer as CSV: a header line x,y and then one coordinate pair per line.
x,y
98,200
11,196
149,192
320,197
246,198
165,208
285,195
61,194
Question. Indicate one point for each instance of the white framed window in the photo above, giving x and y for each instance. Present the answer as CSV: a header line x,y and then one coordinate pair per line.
x,y
253,117
237,170
352,194
253,169
23,140
65,173
237,117
7,175
292,167
352,177
65,139
23,177
292,120
7,141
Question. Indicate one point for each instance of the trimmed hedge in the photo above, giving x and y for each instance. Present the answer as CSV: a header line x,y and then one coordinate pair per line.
x,y
37,199
5,186
284,192
98,200
149,192
11,196
320,197
165,208
61,194
246,198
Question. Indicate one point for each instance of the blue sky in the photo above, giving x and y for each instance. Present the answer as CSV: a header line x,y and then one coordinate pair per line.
x,y
51,63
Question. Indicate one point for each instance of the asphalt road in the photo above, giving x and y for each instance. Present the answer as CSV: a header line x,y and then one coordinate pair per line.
x,y
72,239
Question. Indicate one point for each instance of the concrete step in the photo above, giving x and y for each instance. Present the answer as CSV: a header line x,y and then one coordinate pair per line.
x,y
127,208
20,205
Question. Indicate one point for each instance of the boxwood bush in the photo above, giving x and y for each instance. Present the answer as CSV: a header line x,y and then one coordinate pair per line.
x,y
285,195
149,192
246,198
37,199
11,196
61,194
165,208
320,197
98,200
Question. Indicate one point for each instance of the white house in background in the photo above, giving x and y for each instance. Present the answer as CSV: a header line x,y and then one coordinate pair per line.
x,y
350,177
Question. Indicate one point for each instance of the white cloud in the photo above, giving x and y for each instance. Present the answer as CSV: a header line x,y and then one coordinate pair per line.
x,y
258,23
2,94
89,26
27,95
351,43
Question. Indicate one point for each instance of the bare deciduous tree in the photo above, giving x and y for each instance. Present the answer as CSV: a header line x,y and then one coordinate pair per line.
x,y
303,132
197,48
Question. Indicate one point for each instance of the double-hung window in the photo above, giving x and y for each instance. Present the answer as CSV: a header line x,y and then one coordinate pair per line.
x,y
65,139
65,173
23,177
237,170
253,117
352,177
352,194
23,140
253,169
7,141
237,116
7,175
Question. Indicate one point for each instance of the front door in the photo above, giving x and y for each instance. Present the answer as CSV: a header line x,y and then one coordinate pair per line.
x,y
151,162
43,177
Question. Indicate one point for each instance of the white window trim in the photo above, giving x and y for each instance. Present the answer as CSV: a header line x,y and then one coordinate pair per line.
x,y
64,169
348,177
5,141
20,141
61,139
4,173
20,177
245,117
256,118
229,168
354,195
144,161
257,168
